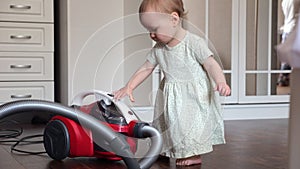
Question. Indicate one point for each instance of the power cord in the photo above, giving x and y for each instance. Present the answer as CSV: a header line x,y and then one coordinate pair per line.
x,y
14,133
23,141
10,133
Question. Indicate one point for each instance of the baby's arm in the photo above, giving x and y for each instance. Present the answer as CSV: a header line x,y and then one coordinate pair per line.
x,y
215,71
137,78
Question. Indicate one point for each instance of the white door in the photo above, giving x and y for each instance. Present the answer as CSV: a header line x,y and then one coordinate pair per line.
x,y
244,34
259,66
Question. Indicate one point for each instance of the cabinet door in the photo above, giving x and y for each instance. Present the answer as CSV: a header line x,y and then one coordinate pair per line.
x,y
10,91
25,66
26,37
26,10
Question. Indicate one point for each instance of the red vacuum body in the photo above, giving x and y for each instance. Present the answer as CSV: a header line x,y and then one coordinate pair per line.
x,y
66,138
104,128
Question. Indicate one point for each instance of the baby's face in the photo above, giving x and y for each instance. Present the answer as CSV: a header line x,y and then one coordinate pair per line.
x,y
159,25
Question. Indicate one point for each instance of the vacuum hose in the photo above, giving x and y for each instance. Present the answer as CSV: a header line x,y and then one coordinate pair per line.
x,y
156,147
117,144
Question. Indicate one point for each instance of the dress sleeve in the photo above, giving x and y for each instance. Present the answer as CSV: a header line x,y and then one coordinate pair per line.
x,y
151,57
202,51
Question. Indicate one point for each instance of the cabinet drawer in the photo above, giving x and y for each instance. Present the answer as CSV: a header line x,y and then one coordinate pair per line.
x,y
26,37
21,66
10,91
26,10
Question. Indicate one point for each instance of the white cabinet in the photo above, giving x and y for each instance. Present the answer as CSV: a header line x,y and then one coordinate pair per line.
x,y
26,50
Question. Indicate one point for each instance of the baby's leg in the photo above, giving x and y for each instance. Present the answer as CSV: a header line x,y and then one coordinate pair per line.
x,y
189,161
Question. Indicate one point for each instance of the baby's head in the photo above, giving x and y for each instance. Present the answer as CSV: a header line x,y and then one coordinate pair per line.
x,y
163,6
162,18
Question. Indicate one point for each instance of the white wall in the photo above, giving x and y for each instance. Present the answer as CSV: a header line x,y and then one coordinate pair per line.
x,y
90,46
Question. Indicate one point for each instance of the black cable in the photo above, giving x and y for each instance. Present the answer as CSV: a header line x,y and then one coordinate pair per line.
x,y
10,133
24,142
14,133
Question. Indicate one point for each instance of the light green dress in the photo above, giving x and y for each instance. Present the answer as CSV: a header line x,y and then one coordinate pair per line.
x,y
187,109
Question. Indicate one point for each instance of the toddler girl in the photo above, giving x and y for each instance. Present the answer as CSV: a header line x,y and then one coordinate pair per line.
x,y
187,109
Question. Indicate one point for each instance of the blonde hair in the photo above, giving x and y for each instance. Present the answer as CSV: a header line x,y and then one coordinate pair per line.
x,y
163,6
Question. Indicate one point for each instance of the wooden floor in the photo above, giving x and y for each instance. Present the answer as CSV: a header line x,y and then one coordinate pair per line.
x,y
251,144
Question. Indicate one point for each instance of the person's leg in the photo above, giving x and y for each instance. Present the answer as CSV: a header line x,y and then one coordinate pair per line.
x,y
189,161
283,79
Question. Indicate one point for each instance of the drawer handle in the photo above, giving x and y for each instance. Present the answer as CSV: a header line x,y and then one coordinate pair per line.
x,y
20,66
19,96
20,7
20,37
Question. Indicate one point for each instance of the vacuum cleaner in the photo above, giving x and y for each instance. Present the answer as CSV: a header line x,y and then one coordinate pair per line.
x,y
104,129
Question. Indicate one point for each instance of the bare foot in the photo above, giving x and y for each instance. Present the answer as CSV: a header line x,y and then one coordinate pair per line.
x,y
189,161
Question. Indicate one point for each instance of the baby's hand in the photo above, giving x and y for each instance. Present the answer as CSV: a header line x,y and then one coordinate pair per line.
x,y
223,89
125,91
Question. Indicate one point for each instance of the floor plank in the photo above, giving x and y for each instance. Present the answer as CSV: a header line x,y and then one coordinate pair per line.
x,y
251,144
7,161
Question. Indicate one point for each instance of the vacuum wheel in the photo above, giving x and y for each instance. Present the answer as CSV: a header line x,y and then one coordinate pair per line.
x,y
57,140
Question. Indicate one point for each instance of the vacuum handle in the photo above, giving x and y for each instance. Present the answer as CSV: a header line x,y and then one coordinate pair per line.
x,y
108,99
105,96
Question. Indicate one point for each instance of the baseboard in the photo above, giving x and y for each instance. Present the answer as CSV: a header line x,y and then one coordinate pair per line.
x,y
234,112
256,111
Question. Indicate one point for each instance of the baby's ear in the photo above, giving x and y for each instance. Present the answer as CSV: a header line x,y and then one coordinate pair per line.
x,y
175,17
